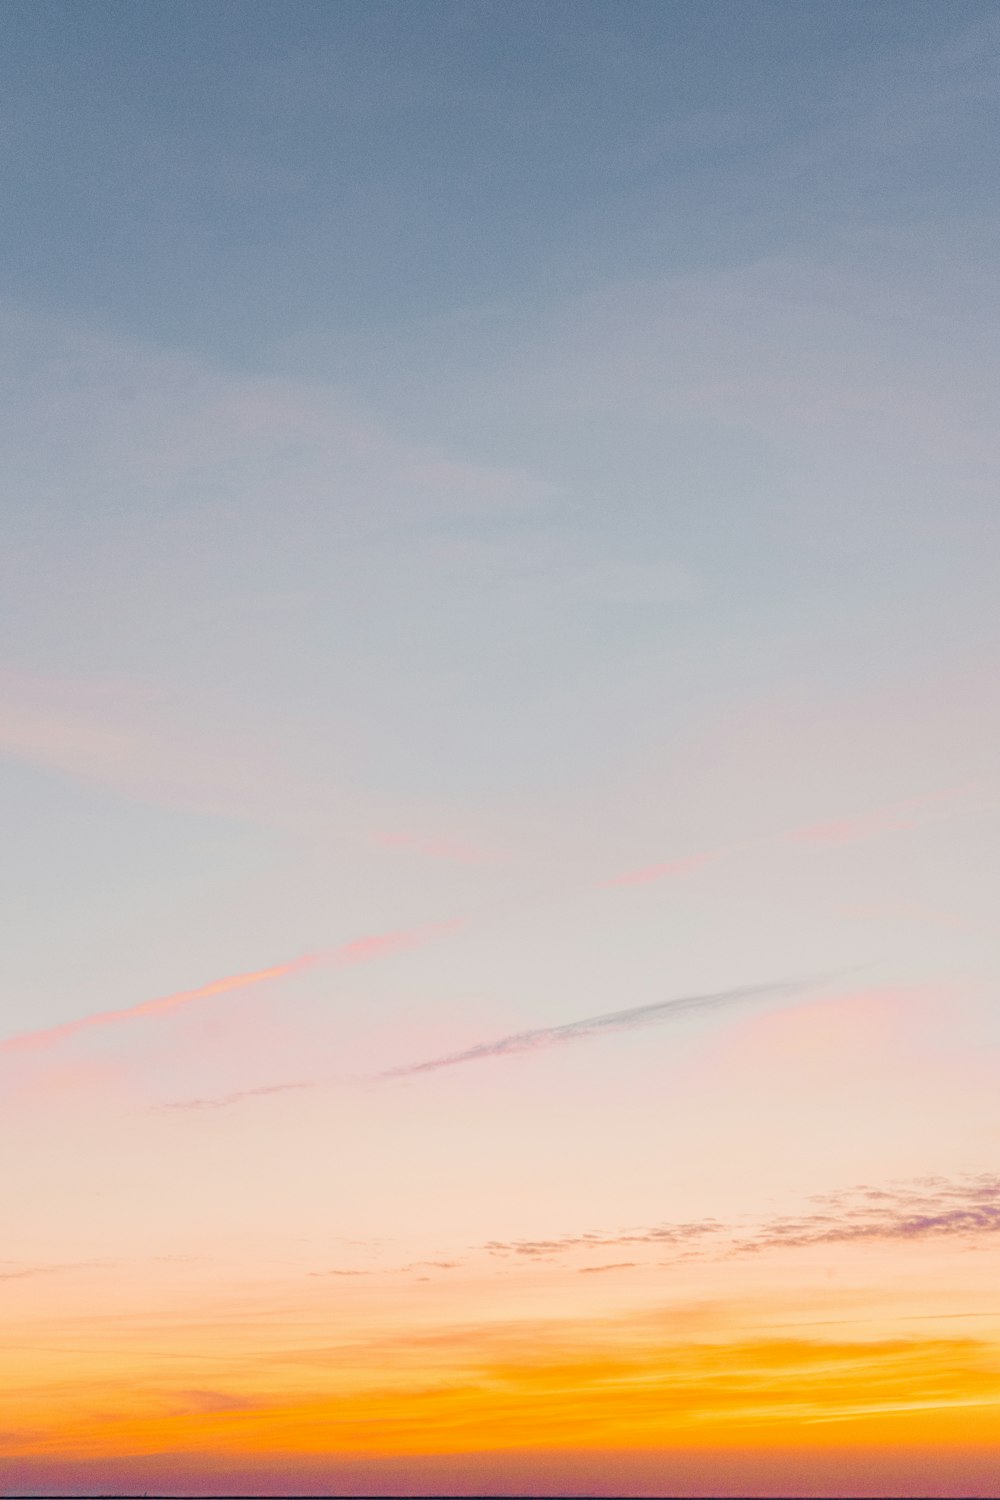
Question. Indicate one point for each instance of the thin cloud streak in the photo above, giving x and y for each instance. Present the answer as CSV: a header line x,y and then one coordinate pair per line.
x,y
656,1235
650,873
615,1265
23,1273
452,850
220,1101
380,945
611,1021
892,817
49,1035
359,950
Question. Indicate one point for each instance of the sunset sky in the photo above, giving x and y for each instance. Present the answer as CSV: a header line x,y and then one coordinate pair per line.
x,y
500,747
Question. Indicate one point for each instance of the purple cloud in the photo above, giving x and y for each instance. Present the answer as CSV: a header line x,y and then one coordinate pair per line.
x,y
925,1208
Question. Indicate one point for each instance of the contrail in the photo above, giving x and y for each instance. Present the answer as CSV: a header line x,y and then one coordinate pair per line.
x,y
360,950
614,1020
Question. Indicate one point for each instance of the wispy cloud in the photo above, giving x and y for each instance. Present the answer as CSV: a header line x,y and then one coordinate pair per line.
x,y
926,1209
337,1272
382,944
657,1235
902,1212
610,1021
435,846
359,950
410,1267
220,1101
16,1271
853,830
210,1402
893,817
135,740
905,911
658,1012
46,1036
647,874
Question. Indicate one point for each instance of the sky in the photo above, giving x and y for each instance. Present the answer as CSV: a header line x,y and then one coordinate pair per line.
x,y
499,714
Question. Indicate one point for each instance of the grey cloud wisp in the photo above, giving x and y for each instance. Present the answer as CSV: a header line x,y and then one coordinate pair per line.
x,y
532,1041
614,1020
220,1101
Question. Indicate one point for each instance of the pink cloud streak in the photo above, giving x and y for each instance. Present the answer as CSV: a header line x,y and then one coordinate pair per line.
x,y
436,847
359,950
894,817
649,873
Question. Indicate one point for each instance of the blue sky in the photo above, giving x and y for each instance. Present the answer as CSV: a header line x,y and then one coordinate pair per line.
x,y
223,176
437,415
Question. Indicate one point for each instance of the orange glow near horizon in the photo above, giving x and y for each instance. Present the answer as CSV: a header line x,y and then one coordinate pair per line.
x,y
759,1394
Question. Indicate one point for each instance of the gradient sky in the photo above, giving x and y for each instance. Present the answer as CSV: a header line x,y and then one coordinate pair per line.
x,y
499,722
